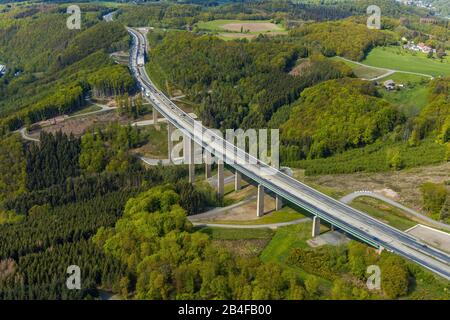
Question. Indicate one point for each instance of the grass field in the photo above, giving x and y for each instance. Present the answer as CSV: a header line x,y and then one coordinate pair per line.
x,y
361,71
235,29
286,239
283,242
286,214
236,234
412,97
157,142
399,59
248,26
244,243
383,212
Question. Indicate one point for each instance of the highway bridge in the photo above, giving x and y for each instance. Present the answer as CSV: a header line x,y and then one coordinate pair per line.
x,y
351,221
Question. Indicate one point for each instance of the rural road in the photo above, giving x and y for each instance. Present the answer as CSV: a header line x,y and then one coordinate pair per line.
x,y
412,213
109,17
388,71
25,136
252,226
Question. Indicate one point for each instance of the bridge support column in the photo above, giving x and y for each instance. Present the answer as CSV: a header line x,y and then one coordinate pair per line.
x,y
380,249
170,129
316,226
260,201
191,173
208,161
220,178
237,181
155,116
278,202
188,152
207,171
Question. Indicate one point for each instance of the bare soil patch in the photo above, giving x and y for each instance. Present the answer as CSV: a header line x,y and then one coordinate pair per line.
x,y
403,186
78,126
238,35
246,211
303,65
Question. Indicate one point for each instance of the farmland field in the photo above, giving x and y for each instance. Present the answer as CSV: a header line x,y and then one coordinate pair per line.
x,y
233,29
250,26
403,60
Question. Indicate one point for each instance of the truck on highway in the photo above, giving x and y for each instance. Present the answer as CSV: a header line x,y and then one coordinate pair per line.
x,y
140,61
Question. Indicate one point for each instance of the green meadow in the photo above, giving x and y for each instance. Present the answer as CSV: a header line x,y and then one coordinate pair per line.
x,y
412,97
400,59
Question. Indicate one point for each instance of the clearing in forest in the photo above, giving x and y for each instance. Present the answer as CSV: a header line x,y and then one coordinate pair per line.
x,y
232,29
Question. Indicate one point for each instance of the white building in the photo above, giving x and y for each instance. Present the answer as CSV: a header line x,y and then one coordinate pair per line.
x,y
2,69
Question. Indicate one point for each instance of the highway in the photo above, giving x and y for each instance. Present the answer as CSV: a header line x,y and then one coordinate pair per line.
x,y
351,221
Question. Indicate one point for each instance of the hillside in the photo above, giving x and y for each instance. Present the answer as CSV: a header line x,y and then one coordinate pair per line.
x,y
48,75
335,116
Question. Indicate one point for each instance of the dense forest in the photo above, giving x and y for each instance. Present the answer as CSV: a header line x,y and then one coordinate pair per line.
x,y
334,116
168,259
286,83
343,38
406,143
57,193
238,84
87,200
289,12
434,119
51,68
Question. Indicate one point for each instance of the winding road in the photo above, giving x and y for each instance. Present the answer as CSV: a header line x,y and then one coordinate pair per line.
x,y
412,213
388,71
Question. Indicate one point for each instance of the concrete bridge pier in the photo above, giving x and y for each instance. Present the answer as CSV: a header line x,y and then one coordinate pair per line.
x,y
155,116
237,181
260,201
220,178
170,130
207,171
316,226
278,202
188,152
208,161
